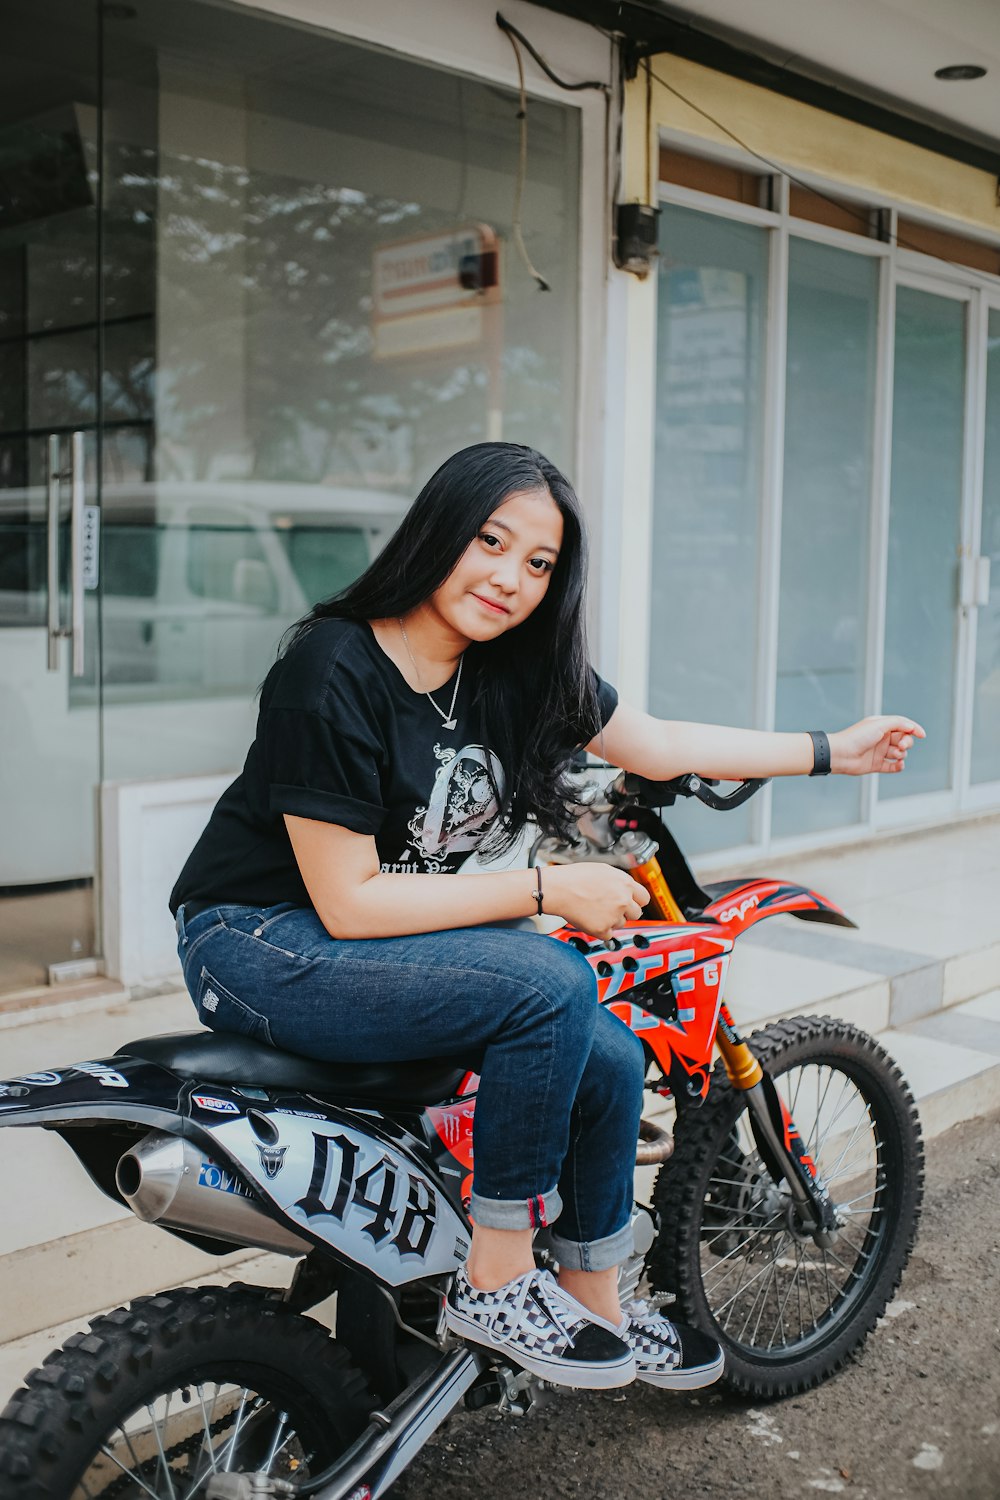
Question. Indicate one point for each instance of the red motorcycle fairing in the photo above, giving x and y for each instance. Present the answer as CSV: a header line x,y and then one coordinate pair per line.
x,y
645,950
740,905
452,1127
678,971
665,981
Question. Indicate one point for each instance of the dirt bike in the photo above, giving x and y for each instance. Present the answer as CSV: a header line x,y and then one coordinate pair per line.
x,y
783,1211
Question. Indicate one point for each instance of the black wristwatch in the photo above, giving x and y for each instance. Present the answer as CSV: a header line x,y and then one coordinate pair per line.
x,y
821,752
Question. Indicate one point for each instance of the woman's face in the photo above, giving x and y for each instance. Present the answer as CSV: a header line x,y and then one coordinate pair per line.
x,y
504,572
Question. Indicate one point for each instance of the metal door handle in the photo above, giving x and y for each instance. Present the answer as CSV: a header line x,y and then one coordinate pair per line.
x,y
77,525
974,582
52,551
983,581
77,501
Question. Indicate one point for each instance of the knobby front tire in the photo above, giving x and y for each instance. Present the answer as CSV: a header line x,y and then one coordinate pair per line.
x,y
161,1394
788,1313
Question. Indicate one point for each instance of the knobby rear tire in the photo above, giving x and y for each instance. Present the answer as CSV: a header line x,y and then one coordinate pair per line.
x,y
192,1340
717,1204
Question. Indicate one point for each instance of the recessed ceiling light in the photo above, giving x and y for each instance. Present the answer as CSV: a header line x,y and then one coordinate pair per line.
x,y
961,72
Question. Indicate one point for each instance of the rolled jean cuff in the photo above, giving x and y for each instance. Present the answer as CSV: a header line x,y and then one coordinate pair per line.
x,y
594,1255
516,1213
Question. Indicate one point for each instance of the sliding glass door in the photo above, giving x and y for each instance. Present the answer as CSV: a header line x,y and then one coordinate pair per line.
x,y
982,584
929,473
883,585
50,409
254,289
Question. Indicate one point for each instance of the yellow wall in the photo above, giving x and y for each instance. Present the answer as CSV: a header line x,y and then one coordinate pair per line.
x,y
800,137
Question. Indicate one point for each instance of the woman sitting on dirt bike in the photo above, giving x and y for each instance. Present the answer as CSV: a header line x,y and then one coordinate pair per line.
x,y
427,711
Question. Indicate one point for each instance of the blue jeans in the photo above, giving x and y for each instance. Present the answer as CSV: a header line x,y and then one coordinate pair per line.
x,y
560,1094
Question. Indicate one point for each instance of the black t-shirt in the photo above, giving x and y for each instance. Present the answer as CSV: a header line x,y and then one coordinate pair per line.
x,y
342,738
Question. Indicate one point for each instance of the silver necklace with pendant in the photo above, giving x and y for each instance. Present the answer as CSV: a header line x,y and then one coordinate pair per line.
x,y
448,720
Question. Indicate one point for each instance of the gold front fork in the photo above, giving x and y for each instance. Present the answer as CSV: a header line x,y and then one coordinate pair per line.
x,y
743,1068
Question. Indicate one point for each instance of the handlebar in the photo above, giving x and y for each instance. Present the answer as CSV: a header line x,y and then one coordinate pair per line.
x,y
665,793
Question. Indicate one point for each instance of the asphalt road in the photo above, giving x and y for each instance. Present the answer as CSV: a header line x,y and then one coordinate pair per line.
x,y
916,1414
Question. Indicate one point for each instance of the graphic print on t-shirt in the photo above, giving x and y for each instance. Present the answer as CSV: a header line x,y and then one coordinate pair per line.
x,y
462,804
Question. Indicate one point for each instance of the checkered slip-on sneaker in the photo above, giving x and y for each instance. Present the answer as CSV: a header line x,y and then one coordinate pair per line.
x,y
535,1324
668,1354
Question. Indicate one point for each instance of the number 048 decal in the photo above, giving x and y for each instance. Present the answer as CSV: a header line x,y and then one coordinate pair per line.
x,y
366,1199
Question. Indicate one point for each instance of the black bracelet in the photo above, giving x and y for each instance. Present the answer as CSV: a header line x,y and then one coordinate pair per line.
x,y
538,892
821,752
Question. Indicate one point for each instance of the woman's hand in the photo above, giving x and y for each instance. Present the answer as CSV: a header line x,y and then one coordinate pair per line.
x,y
876,744
594,897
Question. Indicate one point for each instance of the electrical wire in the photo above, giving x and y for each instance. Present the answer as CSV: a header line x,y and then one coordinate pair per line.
x,y
649,130
517,37
572,88
522,166
518,40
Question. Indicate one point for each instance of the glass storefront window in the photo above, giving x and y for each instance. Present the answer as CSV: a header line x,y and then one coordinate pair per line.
x,y
826,505
928,448
311,301
986,705
707,482
272,283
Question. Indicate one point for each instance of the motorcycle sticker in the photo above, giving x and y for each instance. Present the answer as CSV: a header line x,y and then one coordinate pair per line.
x,y
218,1106
453,1127
40,1080
108,1078
366,1199
13,1090
272,1158
221,1181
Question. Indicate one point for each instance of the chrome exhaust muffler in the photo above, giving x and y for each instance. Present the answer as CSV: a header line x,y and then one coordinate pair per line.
x,y
167,1180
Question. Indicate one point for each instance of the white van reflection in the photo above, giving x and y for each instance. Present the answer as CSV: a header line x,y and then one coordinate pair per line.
x,y
199,582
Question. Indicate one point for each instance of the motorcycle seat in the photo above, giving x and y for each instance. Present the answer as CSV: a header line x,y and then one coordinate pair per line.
x,y
220,1057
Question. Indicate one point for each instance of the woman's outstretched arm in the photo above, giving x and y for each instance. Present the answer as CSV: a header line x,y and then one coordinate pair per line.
x,y
662,748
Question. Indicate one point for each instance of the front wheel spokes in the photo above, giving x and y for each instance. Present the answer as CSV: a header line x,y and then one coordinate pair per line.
x,y
760,1292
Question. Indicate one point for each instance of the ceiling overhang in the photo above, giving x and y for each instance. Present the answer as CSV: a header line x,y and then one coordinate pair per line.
x,y
648,28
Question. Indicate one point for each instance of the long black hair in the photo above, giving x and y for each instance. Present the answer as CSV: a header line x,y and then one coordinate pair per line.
x,y
535,689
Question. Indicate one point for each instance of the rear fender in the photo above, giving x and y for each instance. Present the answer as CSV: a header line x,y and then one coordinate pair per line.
x,y
361,1186
743,905
119,1090
100,1109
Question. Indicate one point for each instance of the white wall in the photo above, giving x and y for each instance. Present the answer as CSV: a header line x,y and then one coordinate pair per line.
x,y
148,829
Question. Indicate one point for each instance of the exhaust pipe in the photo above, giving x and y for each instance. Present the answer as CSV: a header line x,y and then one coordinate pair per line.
x,y
654,1145
166,1180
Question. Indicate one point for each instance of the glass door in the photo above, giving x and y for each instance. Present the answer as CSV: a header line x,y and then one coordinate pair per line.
x,y
925,633
49,424
254,288
982,591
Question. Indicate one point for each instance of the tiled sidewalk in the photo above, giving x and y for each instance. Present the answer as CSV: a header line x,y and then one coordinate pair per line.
x,y
922,971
